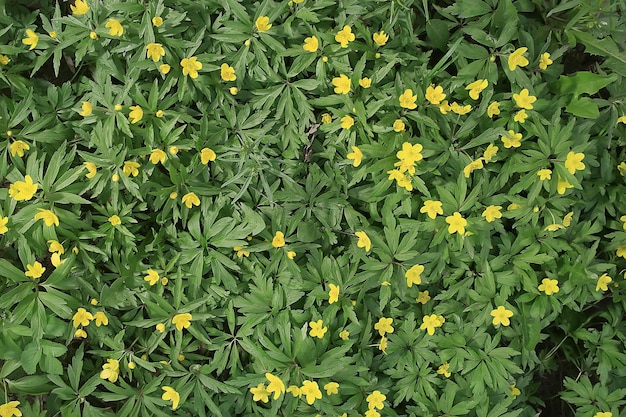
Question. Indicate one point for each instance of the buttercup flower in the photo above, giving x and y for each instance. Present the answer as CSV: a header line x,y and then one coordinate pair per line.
x,y
562,186
432,208
398,126
35,270
364,241
295,391
544,61
115,220
115,27
155,51
275,386
263,24
549,286
423,297
472,166
501,316
407,99
331,388
48,217
520,116
345,36
444,370
344,335
317,329
110,370
136,114
490,153
80,334
260,393
410,153
517,58
93,35
333,294
365,82
476,88
384,326
18,147
375,400
227,73
4,60
414,275
602,282
326,118
342,84
444,107
460,110
356,155
86,108
493,109
515,391
573,162
512,139
207,155
604,414
347,122
434,94
131,168
157,156
152,277
164,68
3,225
279,240
190,200
101,319
456,223
311,44
311,391
491,213
380,38
10,409
30,39
82,318
430,323
182,321
524,99
23,190
91,169
622,119
567,220
191,66
172,395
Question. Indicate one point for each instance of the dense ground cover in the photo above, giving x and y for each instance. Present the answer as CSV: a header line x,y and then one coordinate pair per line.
x,y
314,207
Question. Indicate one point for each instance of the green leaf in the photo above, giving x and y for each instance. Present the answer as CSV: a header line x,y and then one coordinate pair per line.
x,y
583,107
584,82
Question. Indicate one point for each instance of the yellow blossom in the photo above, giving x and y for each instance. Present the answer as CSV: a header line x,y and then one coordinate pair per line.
x,y
472,166
275,386
160,327
326,118
331,388
344,335
562,186
91,169
431,322
93,35
172,395
101,319
476,88
18,147
317,329
384,326
423,297
524,99
414,275
544,61
333,294
491,213
460,110
35,270
602,282
55,260
444,107
347,122
131,168
182,321
155,51
157,21
573,162
110,370
136,114
295,391
3,225
501,316
191,66
398,126
115,27
520,116
410,153
164,68
152,277
356,155
190,200
86,108
517,58
23,190
380,38
365,82
30,39
407,99
512,139
311,44
279,240
263,24
364,241
80,334
157,156
444,370
227,73
456,223
490,153
549,286
622,119
342,84
434,94
544,174
115,220
432,208
515,391
345,36
567,220
493,109
311,391
375,400
207,155
48,217
4,60
513,206
82,318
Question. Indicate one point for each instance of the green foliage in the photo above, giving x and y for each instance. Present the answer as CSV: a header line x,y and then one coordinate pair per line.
x,y
208,189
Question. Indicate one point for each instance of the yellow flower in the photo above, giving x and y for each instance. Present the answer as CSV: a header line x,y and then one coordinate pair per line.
x,y
82,318
456,223
191,66
164,68
80,334
573,162
157,21
544,174
562,186
10,409
364,241
430,323
375,400
160,327
263,24
3,225
326,118
347,122
4,60
515,391
115,27
544,61
517,58
604,414
414,275
549,286
355,155
621,119
490,153
30,39
345,36
311,391
410,153
155,51
460,110
35,270
131,168
260,393
493,109
513,206
172,395
311,44
23,190
110,370
275,386
79,7
423,297
115,220
520,116
136,114
622,219
512,139
380,38
91,169
87,109
384,326
491,213
603,280
55,260
233,90
333,294
344,335
173,150
18,147
365,82
117,107
342,84
182,321
191,199
567,220
101,319
444,107
524,100
152,277
331,388
501,316
476,88
432,207
48,217
472,166
621,251
227,73
294,390
434,94
398,126
317,329
279,240
93,35
407,99
157,156
207,155
444,370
